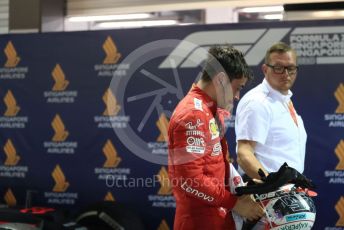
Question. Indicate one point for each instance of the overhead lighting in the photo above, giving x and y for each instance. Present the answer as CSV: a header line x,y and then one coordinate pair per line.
x,y
262,9
133,24
328,14
109,17
186,23
273,16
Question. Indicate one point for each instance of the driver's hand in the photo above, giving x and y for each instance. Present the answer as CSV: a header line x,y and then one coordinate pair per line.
x,y
247,208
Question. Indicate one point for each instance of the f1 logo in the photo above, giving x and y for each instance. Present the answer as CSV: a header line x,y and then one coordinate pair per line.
x,y
191,51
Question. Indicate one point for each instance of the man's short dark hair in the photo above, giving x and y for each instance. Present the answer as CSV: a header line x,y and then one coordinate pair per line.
x,y
230,59
279,47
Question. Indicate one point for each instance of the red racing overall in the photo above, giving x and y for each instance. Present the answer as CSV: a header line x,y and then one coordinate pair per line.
x,y
198,167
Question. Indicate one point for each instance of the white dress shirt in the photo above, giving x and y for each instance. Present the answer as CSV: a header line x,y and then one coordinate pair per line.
x,y
263,116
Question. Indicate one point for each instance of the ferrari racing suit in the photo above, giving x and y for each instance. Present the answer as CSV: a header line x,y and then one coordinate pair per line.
x,y
198,166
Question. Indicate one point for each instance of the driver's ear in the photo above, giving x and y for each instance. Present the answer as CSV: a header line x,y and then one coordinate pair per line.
x,y
221,78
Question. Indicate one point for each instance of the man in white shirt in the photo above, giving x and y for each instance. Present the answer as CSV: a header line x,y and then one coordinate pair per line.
x,y
268,130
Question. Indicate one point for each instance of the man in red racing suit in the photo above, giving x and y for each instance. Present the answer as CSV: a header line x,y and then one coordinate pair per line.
x,y
198,166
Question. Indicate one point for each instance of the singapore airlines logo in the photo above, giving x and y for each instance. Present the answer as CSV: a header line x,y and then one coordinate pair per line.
x,y
11,154
10,198
59,77
11,54
340,210
61,184
162,124
112,159
109,197
112,107
112,54
11,104
60,131
163,226
340,154
339,94
165,186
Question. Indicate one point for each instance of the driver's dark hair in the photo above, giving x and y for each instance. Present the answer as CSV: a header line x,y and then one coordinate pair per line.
x,y
229,59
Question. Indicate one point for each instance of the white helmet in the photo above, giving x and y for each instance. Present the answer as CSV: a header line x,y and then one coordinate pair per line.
x,y
288,208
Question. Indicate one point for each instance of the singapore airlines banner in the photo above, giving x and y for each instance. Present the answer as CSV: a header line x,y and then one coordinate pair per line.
x,y
84,115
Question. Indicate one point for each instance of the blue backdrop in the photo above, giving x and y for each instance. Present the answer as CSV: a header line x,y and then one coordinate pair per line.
x,y
83,115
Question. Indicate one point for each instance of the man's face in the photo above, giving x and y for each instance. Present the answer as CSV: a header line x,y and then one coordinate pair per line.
x,y
237,86
232,91
281,81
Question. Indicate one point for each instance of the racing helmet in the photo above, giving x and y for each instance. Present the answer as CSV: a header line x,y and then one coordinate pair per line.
x,y
288,208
